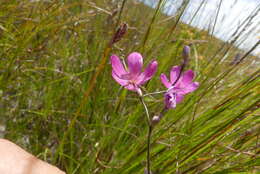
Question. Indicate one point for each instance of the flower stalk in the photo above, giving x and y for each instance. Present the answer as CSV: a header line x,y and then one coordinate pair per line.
x,y
132,78
149,134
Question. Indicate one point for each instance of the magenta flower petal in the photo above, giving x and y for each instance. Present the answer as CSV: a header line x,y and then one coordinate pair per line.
x,y
117,65
125,83
179,98
119,80
187,78
135,63
127,76
165,81
175,71
131,87
190,88
148,73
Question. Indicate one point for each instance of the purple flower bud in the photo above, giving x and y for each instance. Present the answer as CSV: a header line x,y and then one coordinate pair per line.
x,y
185,55
186,52
155,119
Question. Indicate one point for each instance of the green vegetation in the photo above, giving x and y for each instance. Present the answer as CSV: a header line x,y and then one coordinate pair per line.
x,y
50,105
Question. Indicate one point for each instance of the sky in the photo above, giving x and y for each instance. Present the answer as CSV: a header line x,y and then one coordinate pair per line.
x,y
232,13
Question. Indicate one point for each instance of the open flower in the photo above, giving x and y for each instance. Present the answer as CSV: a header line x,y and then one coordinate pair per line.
x,y
177,90
133,77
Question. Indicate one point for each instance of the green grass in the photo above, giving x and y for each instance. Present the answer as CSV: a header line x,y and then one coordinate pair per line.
x,y
50,51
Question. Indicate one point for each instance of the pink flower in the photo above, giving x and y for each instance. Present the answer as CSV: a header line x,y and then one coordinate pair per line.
x,y
177,90
133,77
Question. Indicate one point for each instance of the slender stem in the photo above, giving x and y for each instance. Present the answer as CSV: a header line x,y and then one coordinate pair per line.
x,y
120,12
149,134
146,111
148,148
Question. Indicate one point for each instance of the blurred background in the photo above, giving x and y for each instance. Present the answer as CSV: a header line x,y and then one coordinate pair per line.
x,y
221,18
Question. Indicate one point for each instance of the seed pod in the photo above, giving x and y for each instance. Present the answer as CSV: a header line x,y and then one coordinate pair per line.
x,y
121,31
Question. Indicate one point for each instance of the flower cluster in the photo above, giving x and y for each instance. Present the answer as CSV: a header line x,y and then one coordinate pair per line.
x,y
132,78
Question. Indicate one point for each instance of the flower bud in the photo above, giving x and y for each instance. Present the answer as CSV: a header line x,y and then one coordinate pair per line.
x,y
186,51
119,33
155,119
139,92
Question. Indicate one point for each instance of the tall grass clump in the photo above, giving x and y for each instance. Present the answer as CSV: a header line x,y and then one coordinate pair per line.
x,y
60,102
